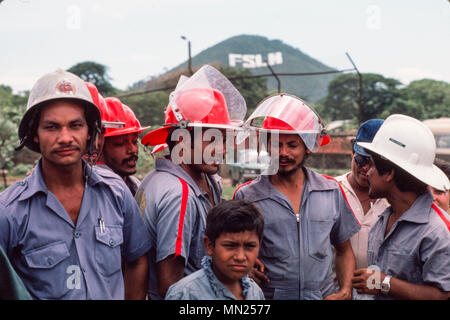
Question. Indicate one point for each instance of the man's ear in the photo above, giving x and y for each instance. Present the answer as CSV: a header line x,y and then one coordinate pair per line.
x,y
209,246
36,139
389,176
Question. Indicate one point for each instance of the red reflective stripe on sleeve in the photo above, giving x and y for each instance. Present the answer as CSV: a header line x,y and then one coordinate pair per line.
x,y
241,187
345,196
439,212
184,198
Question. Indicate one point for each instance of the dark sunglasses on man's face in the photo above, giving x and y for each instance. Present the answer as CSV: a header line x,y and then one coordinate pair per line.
x,y
361,160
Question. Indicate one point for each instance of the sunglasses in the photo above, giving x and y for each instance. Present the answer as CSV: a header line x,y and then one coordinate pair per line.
x,y
361,160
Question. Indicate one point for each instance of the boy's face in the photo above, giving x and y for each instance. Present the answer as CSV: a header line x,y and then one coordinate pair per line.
x,y
233,254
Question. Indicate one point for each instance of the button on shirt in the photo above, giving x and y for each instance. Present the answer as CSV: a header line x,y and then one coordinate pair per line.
x,y
204,285
297,255
59,260
160,198
417,248
360,240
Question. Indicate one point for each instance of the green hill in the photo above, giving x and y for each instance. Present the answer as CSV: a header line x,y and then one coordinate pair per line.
x,y
257,49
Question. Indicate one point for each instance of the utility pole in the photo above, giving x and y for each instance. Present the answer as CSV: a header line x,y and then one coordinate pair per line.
x,y
275,75
360,89
189,55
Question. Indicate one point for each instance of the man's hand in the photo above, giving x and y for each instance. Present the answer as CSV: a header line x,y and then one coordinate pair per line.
x,y
341,295
257,273
363,279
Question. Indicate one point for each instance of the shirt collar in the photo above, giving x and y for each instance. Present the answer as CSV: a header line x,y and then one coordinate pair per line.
x,y
262,188
35,181
419,212
217,286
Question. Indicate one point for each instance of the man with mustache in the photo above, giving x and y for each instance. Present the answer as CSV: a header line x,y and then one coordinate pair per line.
x,y
305,213
69,232
120,150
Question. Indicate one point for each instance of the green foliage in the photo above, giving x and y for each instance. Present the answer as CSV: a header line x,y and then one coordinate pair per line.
x,y
421,99
148,108
20,170
430,95
343,94
12,107
145,163
95,73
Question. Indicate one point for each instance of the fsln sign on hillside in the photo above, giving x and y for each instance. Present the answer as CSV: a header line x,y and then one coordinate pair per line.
x,y
251,61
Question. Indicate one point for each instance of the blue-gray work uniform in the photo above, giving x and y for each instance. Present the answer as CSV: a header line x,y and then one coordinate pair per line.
x,y
59,260
297,253
131,182
204,285
416,249
172,233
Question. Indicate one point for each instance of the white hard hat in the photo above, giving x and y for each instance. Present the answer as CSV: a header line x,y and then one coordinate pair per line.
x,y
409,144
53,86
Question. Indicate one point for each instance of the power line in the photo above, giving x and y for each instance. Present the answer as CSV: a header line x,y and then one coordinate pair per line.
x,y
285,74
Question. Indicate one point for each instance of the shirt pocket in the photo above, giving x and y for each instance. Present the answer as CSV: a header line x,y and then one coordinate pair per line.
x,y
108,249
274,252
403,266
318,235
47,270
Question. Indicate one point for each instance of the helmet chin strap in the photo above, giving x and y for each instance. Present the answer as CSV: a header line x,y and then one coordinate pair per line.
x,y
93,144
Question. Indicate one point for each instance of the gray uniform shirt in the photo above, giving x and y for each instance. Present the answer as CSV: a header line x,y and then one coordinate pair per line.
x,y
160,197
417,248
297,254
57,259
131,182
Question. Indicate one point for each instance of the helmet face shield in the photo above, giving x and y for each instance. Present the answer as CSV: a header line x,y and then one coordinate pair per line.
x,y
287,114
206,99
208,81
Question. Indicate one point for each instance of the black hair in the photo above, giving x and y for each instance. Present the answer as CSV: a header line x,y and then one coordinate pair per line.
x,y
35,116
233,216
404,181
443,165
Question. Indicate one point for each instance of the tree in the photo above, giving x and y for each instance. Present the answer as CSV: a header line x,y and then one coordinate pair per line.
x,y
433,97
12,108
343,93
97,74
148,108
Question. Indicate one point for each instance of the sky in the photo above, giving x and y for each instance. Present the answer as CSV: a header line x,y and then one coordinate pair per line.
x,y
402,39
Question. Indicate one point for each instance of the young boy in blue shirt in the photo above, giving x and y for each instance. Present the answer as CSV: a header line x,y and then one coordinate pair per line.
x,y
232,238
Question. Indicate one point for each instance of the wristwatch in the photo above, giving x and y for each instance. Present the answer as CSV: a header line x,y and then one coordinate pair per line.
x,y
386,285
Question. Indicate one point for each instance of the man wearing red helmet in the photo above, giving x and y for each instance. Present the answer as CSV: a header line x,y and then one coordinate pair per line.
x,y
305,213
120,150
175,197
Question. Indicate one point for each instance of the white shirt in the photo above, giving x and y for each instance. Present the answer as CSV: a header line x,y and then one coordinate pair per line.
x,y
360,240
